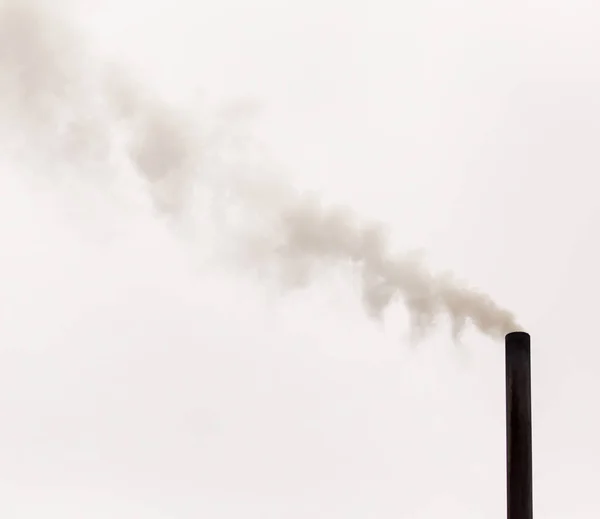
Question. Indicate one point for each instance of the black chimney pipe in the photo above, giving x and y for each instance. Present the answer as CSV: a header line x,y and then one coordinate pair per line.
x,y
518,426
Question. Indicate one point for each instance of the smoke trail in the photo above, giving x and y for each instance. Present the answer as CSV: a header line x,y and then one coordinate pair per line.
x,y
73,106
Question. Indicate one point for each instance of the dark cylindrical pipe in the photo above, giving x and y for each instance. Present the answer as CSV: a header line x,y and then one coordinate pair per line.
x,y
518,426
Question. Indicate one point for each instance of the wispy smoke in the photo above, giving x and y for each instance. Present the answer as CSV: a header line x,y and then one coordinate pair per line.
x,y
73,105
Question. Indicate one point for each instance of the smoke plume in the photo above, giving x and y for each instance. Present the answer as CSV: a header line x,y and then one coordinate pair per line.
x,y
72,106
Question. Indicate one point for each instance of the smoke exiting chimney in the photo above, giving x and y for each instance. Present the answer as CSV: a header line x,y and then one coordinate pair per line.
x,y
518,426
85,111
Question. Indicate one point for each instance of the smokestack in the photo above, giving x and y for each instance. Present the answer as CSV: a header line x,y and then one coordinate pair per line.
x,y
518,426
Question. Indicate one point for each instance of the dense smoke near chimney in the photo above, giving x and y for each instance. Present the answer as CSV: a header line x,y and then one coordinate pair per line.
x,y
73,106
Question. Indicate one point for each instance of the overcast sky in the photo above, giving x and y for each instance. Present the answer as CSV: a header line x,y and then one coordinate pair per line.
x,y
137,381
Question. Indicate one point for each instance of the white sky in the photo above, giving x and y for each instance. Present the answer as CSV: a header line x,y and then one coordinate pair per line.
x,y
133,384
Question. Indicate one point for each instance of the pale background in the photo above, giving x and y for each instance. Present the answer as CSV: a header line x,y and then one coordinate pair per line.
x,y
133,387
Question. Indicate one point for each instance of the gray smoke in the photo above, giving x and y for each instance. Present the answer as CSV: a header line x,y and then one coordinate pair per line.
x,y
71,106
